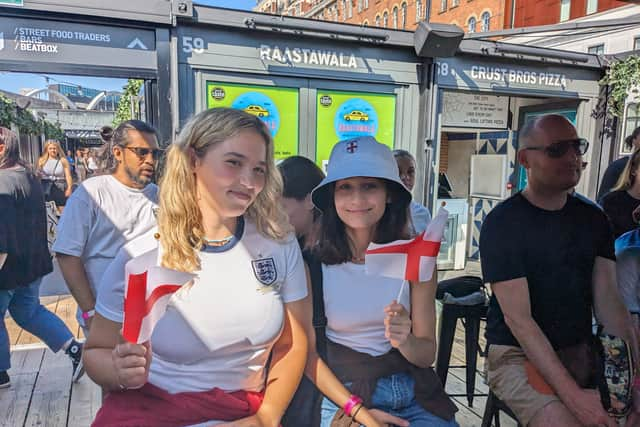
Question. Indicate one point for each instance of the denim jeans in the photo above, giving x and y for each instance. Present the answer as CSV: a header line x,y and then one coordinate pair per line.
x,y
394,395
24,306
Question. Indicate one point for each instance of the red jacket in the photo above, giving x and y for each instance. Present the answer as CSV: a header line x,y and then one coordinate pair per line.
x,y
151,406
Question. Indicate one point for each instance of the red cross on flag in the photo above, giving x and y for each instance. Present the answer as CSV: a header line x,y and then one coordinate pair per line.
x,y
409,259
147,293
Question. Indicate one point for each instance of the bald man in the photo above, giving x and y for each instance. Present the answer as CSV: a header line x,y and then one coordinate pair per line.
x,y
549,257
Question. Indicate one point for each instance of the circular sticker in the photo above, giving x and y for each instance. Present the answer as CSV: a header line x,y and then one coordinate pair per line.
x,y
260,105
218,93
326,101
356,117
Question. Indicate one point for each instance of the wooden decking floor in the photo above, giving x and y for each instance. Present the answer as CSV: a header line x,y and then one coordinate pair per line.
x,y
42,394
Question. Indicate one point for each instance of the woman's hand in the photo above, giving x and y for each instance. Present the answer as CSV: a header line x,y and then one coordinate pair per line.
x,y
131,362
397,324
67,192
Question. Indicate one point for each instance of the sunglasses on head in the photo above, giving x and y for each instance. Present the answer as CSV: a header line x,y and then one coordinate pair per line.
x,y
560,148
143,152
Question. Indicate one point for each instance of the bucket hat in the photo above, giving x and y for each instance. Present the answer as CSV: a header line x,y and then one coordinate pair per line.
x,y
361,156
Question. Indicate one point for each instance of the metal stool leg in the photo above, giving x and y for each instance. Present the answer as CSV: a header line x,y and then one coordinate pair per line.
x,y
448,323
471,333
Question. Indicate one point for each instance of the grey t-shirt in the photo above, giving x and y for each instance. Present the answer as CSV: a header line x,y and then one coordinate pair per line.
x,y
23,229
628,271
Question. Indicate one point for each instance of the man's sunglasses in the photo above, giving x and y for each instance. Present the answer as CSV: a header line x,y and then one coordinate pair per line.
x,y
560,148
143,152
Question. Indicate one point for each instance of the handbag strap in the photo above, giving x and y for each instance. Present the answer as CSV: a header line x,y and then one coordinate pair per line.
x,y
319,317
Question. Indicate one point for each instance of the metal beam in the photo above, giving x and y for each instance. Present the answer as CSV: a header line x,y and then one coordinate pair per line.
x,y
607,23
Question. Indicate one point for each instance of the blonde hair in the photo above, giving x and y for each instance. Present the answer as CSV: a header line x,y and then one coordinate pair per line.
x,y
45,153
179,217
628,175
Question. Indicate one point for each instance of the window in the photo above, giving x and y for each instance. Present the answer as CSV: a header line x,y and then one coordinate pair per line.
x,y
636,43
377,20
455,3
395,17
404,16
359,6
385,19
592,6
486,21
349,9
565,10
366,4
365,23
335,14
597,49
418,10
472,25
344,10
443,5
631,122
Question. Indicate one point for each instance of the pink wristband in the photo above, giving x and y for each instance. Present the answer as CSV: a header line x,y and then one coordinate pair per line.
x,y
351,403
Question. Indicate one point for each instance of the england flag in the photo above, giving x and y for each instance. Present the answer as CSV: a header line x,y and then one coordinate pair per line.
x,y
147,293
413,260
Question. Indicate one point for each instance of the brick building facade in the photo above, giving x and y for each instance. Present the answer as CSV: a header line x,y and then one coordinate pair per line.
x,y
470,15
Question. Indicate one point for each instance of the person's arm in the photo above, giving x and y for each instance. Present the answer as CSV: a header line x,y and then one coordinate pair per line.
x,y
72,238
67,177
608,306
75,275
287,366
3,258
110,362
326,381
513,297
415,335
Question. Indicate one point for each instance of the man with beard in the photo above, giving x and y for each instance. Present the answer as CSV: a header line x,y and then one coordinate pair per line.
x,y
107,211
549,257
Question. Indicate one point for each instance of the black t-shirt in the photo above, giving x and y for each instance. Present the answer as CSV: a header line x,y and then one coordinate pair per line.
x,y
619,207
611,175
555,251
23,229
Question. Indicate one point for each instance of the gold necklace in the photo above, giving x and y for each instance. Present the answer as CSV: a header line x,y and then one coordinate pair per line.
x,y
217,242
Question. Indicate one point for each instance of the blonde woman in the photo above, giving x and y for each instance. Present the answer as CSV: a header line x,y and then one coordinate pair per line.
x,y
221,220
624,197
55,172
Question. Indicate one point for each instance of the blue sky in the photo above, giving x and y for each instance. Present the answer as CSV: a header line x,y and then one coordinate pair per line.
x,y
229,4
13,82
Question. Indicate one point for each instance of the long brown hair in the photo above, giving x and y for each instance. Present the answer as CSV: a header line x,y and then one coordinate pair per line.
x,y
11,154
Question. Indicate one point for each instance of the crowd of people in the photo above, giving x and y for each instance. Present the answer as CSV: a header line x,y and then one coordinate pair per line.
x,y
280,322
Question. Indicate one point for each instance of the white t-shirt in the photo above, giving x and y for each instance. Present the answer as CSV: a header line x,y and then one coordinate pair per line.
x,y
354,305
101,216
219,332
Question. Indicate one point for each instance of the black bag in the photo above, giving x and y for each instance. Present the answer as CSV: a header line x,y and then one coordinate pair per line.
x,y
52,192
304,409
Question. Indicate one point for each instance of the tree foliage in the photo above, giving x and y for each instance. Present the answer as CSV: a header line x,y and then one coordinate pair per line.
x,y
124,110
622,77
26,122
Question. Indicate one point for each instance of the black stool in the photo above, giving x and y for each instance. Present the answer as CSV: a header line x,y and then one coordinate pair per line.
x,y
471,315
492,411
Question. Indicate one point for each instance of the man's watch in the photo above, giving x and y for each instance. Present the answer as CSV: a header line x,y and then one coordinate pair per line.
x,y
86,315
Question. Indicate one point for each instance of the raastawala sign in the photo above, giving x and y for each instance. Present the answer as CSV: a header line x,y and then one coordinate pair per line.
x,y
303,56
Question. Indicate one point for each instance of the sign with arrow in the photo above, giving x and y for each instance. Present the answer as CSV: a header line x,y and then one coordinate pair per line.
x,y
38,40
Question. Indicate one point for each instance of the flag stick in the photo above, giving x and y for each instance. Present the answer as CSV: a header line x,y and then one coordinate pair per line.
x,y
401,290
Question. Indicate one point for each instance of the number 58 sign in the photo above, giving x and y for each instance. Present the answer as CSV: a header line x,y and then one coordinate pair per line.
x,y
192,44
